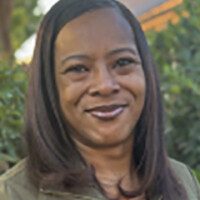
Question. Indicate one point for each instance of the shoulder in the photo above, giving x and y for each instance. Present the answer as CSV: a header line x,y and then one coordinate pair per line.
x,y
186,178
14,184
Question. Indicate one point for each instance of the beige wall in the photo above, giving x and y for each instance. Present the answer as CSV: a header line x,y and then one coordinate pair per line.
x,y
139,7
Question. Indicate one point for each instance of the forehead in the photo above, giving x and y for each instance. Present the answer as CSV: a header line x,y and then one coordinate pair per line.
x,y
93,29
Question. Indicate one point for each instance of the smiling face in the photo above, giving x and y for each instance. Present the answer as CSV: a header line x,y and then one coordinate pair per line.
x,y
99,78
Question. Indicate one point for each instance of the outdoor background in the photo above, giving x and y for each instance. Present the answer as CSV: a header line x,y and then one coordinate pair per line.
x,y
176,50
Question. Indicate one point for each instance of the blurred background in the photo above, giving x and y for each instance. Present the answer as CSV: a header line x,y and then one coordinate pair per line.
x,y
172,28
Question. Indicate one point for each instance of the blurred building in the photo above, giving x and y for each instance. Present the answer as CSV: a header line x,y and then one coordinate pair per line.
x,y
154,14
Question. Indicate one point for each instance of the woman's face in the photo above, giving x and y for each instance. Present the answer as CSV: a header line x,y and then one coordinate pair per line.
x,y
99,78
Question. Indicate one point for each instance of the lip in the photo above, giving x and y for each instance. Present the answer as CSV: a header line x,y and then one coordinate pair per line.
x,y
106,112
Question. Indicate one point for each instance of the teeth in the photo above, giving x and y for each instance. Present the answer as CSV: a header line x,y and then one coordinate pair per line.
x,y
107,114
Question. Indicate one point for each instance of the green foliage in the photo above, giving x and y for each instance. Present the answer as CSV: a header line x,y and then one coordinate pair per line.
x,y
24,21
197,174
177,53
13,85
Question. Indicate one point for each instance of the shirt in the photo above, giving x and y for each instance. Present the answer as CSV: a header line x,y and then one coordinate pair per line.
x,y
15,185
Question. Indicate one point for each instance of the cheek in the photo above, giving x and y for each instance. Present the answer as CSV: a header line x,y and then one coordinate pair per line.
x,y
138,80
70,93
68,97
140,85
135,84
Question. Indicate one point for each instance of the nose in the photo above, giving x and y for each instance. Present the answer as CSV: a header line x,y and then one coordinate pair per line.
x,y
104,83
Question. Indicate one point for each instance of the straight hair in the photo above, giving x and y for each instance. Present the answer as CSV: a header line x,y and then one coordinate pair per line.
x,y
53,157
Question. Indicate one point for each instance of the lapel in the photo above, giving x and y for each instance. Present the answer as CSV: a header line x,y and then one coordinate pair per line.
x,y
73,194
78,193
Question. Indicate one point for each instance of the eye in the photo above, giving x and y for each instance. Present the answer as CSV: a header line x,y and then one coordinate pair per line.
x,y
79,68
123,62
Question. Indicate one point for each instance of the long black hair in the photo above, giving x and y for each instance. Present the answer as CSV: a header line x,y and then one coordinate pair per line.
x,y
51,150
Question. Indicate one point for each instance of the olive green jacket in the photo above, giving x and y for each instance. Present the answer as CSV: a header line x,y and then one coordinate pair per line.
x,y
14,185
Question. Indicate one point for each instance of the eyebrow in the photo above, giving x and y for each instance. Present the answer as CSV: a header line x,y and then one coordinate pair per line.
x,y
120,50
111,53
77,56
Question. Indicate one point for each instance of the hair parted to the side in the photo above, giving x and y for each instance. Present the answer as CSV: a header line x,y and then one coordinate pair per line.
x,y
52,153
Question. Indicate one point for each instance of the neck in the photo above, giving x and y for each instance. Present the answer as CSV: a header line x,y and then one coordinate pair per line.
x,y
111,163
112,166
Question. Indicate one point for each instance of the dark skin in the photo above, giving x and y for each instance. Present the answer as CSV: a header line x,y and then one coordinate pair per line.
x,y
101,87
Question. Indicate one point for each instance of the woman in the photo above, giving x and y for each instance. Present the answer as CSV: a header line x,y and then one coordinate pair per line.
x,y
94,123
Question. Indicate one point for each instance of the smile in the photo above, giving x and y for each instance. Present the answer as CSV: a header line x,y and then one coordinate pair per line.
x,y
106,112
